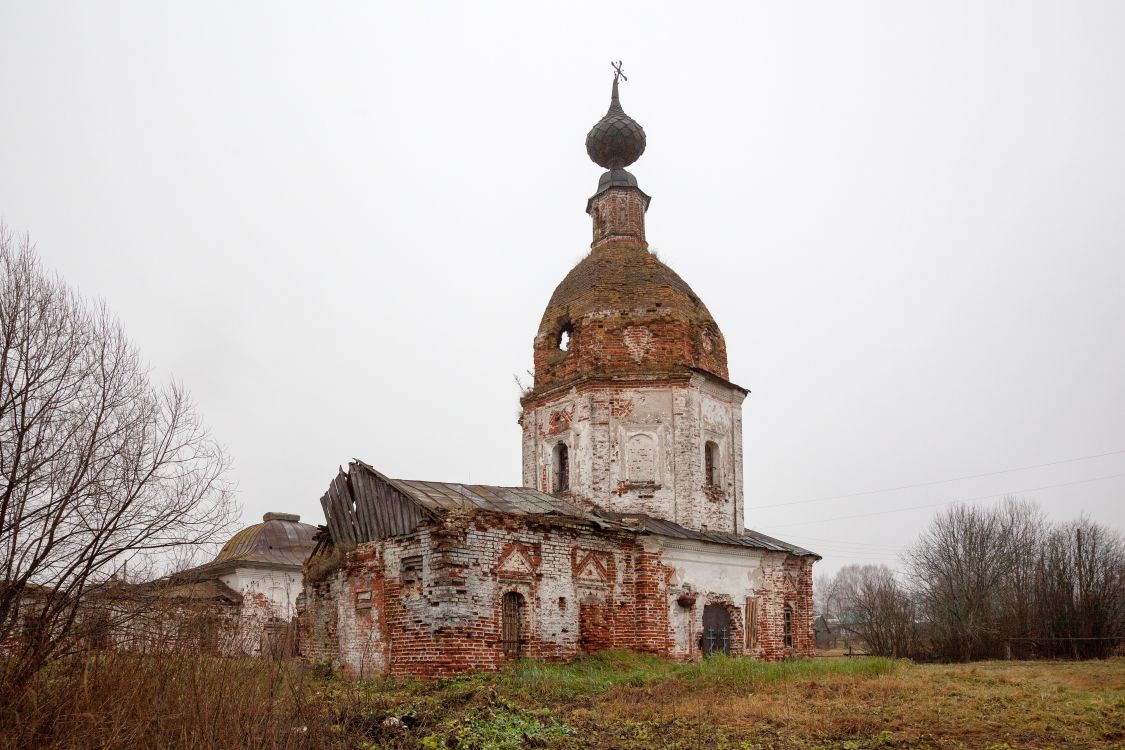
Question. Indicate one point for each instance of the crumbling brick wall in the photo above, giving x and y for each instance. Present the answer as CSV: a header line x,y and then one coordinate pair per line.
x,y
788,584
429,604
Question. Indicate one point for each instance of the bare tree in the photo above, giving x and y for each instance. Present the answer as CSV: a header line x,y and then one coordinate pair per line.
x,y
1079,592
878,609
824,595
97,465
989,582
970,573
833,591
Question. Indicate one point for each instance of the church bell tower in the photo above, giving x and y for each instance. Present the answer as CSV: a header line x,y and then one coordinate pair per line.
x,y
631,410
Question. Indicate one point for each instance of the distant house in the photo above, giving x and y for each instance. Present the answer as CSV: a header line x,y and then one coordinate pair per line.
x,y
831,631
247,595
244,601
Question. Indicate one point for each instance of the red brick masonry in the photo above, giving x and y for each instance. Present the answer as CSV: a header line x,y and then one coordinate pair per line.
x,y
430,604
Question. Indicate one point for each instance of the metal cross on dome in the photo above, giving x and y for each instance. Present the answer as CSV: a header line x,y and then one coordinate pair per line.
x,y
617,71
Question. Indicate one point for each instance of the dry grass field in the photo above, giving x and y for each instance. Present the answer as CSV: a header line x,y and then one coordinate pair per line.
x,y
614,700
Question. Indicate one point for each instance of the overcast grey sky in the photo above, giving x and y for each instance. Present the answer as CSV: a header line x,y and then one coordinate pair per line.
x,y
339,225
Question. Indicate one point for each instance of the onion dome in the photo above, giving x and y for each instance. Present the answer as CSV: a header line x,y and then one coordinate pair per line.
x,y
616,140
622,312
281,539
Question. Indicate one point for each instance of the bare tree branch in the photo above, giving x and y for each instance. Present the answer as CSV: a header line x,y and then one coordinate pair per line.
x,y
98,466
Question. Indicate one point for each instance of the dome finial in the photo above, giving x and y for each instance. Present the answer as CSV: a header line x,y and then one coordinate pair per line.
x,y
615,100
616,140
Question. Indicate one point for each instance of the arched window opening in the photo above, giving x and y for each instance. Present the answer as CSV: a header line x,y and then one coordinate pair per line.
x,y
788,626
711,463
511,625
565,333
562,468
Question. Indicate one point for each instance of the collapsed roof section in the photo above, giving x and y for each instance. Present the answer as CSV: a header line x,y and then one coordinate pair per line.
x,y
364,505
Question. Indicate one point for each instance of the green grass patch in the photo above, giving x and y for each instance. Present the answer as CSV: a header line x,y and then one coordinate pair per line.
x,y
609,670
728,671
589,675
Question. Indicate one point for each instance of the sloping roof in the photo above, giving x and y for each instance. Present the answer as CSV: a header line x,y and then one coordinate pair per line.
x,y
748,538
363,505
208,589
453,496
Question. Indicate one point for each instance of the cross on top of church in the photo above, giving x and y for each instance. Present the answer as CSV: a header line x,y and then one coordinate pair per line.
x,y
618,72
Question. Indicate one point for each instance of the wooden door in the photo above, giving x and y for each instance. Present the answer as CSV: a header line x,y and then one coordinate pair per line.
x,y
716,630
511,625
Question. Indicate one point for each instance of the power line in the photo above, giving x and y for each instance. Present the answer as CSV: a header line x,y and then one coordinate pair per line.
x,y
854,545
937,481
846,548
954,502
854,555
866,553
862,544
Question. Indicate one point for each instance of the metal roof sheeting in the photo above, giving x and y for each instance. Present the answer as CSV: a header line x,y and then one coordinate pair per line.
x,y
748,538
452,496
275,542
362,505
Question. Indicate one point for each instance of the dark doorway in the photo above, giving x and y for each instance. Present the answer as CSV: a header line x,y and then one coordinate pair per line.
x,y
716,630
511,625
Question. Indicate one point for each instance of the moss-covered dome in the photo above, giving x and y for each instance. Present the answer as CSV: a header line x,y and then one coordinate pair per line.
x,y
621,311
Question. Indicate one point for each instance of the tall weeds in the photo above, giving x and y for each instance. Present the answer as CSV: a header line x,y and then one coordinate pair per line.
x,y
126,701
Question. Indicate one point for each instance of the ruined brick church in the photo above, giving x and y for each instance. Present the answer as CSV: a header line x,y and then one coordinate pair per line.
x,y
628,531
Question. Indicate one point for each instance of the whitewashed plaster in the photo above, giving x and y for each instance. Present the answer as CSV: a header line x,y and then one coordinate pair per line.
x,y
716,574
640,449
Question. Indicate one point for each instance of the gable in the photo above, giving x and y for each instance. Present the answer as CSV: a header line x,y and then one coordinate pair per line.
x,y
362,505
